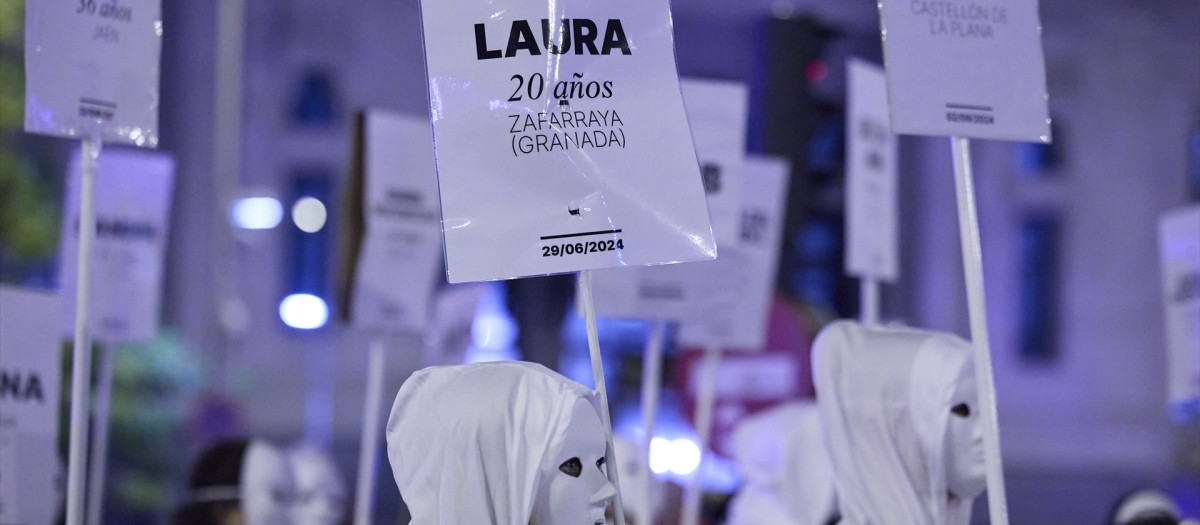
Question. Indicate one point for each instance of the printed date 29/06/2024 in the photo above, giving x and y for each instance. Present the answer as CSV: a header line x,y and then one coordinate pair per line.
x,y
580,248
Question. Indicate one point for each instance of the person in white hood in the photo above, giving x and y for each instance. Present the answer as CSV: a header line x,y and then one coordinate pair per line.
x,y
639,488
321,495
500,443
788,476
238,482
901,423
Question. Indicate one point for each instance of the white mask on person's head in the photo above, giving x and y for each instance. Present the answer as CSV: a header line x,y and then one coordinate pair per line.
x,y
574,489
267,487
966,470
639,488
320,489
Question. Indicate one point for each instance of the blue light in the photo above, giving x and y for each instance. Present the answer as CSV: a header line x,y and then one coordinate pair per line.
x,y
257,213
304,311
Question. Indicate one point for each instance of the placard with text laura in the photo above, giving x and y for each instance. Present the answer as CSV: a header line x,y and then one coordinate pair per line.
x,y
560,138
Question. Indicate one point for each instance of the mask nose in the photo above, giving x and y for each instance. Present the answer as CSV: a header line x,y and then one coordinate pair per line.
x,y
604,494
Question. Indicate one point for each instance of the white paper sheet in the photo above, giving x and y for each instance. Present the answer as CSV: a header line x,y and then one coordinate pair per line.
x,y
871,209
91,62
552,158
133,209
726,301
402,247
716,112
30,374
1179,247
969,68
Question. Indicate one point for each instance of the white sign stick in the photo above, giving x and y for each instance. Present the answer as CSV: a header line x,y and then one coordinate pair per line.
x,y
968,228
651,384
704,412
589,316
81,364
98,465
868,301
364,493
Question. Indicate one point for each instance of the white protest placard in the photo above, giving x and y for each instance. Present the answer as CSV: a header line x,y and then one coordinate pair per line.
x,y
401,251
716,112
30,374
725,301
967,68
1179,247
93,61
871,203
748,270
133,208
561,138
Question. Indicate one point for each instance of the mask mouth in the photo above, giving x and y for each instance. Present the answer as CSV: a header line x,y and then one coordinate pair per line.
x,y
597,515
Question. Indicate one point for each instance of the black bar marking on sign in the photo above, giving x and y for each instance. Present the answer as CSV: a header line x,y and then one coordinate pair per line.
x,y
584,234
969,106
98,102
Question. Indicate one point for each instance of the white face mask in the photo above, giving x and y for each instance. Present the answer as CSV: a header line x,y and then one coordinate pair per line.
x,y
638,486
574,489
267,488
966,471
320,491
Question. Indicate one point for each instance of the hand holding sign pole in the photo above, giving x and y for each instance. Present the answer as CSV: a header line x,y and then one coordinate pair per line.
x,y
969,70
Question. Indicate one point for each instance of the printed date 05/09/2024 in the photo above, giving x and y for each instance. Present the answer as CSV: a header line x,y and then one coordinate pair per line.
x,y
580,248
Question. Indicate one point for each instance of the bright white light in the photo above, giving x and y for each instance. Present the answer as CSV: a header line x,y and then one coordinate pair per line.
x,y
493,331
658,455
309,215
257,213
303,311
680,456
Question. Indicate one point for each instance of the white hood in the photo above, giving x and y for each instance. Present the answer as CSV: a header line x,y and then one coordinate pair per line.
x,y
466,442
884,395
320,489
788,476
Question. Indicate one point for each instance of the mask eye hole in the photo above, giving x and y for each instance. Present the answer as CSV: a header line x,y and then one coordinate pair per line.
x,y
600,463
961,410
572,467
